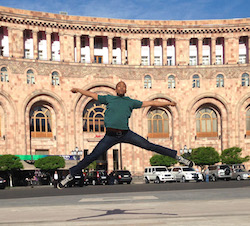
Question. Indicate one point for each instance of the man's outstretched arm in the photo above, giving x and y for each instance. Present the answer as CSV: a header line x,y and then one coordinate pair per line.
x,y
156,103
85,93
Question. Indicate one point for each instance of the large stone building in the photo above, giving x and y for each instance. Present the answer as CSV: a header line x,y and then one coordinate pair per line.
x,y
201,65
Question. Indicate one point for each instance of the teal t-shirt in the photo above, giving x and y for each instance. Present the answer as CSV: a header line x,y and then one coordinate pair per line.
x,y
118,110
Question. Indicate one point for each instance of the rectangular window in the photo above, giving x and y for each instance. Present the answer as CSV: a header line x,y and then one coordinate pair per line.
x,y
37,125
1,50
157,60
27,53
83,41
83,60
55,81
192,60
30,79
114,60
40,54
157,42
144,42
170,61
242,59
53,55
42,152
114,43
85,152
98,43
115,159
205,60
98,59
219,59
144,60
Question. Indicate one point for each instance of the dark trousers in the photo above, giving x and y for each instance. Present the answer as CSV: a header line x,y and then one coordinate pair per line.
x,y
111,139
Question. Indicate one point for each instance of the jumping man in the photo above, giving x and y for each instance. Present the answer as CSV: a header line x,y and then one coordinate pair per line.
x,y
119,109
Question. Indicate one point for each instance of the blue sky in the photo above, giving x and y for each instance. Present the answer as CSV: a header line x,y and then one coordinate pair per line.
x,y
140,9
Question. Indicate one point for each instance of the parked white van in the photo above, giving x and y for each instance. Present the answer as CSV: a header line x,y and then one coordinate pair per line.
x,y
157,174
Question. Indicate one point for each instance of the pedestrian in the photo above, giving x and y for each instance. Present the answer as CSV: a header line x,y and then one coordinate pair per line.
x,y
117,114
55,179
207,174
197,174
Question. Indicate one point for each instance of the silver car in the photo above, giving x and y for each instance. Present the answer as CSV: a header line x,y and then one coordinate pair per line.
x,y
240,174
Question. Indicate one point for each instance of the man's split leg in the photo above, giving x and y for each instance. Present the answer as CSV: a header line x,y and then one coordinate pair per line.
x,y
106,143
137,140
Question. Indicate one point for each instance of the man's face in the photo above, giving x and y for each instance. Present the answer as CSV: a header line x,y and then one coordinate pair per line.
x,y
121,89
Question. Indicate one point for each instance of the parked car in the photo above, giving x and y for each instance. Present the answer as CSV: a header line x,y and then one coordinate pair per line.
x,y
79,180
97,177
185,173
2,183
240,174
120,177
220,172
158,174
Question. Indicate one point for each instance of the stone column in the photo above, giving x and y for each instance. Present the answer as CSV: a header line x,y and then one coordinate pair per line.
x,y
78,48
35,45
16,41
110,49
134,51
231,49
61,41
213,50
48,43
91,47
123,46
200,44
225,50
10,34
164,51
248,50
182,51
152,59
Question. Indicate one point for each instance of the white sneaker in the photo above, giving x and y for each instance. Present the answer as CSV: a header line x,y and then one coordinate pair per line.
x,y
63,183
186,162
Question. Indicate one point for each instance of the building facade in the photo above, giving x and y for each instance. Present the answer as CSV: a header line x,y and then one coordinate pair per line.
x,y
201,65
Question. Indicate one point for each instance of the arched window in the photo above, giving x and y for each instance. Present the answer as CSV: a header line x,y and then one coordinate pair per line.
x,y
171,82
206,123
220,80
158,123
196,81
41,122
30,77
55,79
248,122
245,79
4,75
147,82
93,117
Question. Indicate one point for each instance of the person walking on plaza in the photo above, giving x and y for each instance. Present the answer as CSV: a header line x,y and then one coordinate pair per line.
x,y
117,114
207,174
55,179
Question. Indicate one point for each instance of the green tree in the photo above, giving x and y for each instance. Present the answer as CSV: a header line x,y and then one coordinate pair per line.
x,y
205,156
233,156
10,163
162,160
50,163
92,166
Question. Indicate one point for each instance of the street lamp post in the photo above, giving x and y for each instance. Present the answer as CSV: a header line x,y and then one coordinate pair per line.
x,y
186,151
77,153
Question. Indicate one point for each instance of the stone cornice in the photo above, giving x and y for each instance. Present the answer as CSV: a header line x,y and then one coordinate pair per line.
x,y
48,20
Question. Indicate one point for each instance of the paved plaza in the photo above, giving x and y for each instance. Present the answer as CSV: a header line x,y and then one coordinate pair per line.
x,y
224,206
